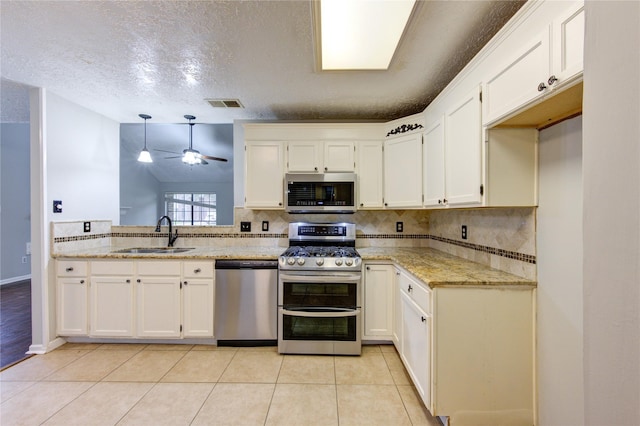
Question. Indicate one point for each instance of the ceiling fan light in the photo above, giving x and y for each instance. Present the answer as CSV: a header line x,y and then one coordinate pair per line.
x,y
145,156
191,157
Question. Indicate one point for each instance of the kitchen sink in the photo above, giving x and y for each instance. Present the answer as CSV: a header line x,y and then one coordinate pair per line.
x,y
143,250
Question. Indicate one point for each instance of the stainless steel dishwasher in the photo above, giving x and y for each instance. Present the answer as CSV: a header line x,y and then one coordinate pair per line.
x,y
246,302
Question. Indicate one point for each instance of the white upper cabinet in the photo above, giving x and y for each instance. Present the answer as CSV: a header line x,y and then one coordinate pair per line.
x,y
320,156
463,138
264,174
304,156
403,171
549,61
369,171
433,161
568,43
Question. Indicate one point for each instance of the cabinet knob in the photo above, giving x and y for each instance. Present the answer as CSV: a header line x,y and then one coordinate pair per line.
x,y
444,201
197,271
315,168
81,281
128,281
368,268
326,169
361,204
185,283
69,269
409,288
423,319
398,273
138,280
439,201
280,204
541,87
385,204
552,80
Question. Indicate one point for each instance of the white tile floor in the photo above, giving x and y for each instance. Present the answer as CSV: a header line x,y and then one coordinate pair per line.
x,y
125,384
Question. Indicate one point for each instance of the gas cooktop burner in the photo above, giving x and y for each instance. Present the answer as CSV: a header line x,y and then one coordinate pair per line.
x,y
321,246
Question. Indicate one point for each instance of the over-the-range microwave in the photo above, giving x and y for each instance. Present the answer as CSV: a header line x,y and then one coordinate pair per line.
x,y
320,192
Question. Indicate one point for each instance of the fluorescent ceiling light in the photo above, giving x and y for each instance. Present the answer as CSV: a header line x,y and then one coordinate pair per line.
x,y
361,34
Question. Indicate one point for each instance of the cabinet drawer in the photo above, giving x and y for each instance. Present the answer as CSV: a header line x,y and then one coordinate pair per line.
x,y
112,268
197,269
161,268
71,268
417,291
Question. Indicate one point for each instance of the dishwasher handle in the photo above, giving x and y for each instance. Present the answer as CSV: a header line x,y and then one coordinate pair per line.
x,y
246,264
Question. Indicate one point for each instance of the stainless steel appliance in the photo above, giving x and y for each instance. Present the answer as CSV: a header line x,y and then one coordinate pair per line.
x,y
246,300
320,192
319,291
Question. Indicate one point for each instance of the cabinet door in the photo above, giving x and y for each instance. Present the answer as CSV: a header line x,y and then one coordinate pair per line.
x,y
433,162
72,299
111,306
463,136
198,304
403,171
378,302
568,43
305,157
264,174
339,156
416,351
158,302
516,82
369,171
397,312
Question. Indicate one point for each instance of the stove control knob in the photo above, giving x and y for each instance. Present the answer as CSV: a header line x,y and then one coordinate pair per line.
x,y
301,261
338,262
319,261
348,262
291,261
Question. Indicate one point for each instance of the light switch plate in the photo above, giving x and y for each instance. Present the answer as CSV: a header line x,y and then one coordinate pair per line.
x,y
265,225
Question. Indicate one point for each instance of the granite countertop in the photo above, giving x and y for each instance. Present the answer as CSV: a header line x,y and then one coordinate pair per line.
x,y
435,268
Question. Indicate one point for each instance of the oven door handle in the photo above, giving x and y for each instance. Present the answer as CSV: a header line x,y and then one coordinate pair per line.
x,y
320,277
337,313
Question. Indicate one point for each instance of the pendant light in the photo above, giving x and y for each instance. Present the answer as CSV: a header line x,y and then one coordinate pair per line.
x,y
145,156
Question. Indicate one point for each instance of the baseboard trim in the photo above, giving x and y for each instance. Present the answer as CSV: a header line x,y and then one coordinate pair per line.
x,y
43,349
15,279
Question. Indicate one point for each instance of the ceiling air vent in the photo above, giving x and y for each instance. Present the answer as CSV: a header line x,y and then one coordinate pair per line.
x,y
224,103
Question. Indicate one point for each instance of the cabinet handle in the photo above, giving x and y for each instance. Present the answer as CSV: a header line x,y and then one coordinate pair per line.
x,y
423,319
69,269
552,80
409,288
138,280
197,271
81,281
541,87
128,281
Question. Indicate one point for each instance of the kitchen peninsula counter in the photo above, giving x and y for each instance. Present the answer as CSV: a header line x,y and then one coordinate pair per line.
x,y
435,268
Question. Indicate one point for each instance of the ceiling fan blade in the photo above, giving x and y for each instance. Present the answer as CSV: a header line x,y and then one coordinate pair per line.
x,y
164,150
208,157
176,156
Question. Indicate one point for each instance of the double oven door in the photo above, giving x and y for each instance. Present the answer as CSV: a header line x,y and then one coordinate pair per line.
x,y
319,312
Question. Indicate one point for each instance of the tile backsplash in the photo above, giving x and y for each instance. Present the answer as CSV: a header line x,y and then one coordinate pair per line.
x,y
502,238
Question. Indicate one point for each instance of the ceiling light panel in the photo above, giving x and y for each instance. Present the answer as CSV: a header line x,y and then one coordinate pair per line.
x,y
361,34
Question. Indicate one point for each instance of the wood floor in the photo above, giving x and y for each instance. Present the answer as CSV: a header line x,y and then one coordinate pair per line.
x,y
15,321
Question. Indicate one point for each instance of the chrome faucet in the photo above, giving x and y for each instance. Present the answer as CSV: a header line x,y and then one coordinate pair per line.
x,y
172,238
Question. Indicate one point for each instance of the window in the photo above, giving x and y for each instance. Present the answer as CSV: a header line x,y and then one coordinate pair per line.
x,y
190,208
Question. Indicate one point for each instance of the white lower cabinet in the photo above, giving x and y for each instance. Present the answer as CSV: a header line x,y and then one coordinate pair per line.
x,y
111,299
198,299
158,299
72,292
378,301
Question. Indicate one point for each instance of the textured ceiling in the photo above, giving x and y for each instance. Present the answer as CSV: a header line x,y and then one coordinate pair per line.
x,y
164,58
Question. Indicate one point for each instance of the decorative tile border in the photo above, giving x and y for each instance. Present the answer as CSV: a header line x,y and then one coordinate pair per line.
x,y
477,247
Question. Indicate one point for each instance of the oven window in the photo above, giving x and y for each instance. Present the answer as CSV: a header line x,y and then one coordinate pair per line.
x,y
305,328
337,295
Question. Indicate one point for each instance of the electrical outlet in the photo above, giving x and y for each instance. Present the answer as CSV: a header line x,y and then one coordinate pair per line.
x,y
399,226
87,226
245,226
28,248
265,225
464,232
24,259
57,206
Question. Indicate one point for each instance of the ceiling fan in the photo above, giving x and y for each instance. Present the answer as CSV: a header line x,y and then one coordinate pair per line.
x,y
192,156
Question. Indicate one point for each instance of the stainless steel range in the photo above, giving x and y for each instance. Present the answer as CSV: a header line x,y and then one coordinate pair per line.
x,y
319,290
